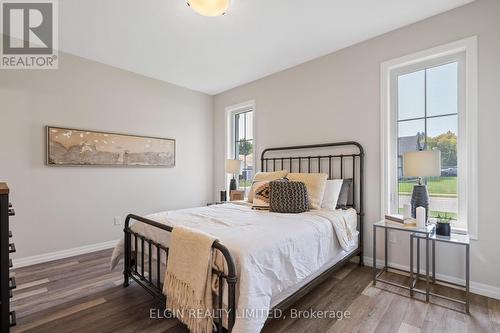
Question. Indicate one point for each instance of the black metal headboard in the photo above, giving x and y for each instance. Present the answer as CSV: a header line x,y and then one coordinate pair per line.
x,y
339,160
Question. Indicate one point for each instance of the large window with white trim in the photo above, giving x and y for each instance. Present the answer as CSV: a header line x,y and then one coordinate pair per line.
x,y
429,102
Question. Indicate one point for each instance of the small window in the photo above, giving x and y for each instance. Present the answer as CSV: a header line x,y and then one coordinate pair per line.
x,y
241,143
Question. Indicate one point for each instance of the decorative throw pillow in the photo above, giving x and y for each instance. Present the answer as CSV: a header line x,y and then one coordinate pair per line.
x,y
288,197
261,176
315,183
261,195
344,194
332,192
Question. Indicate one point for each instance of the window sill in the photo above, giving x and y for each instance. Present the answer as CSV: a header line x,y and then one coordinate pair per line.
x,y
457,230
463,231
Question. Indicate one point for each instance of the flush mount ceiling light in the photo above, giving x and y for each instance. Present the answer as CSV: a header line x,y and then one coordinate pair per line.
x,y
209,7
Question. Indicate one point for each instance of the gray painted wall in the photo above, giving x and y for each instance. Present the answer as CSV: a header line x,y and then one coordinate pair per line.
x,y
337,97
60,208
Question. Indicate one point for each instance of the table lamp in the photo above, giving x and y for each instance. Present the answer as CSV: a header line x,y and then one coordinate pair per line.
x,y
423,163
233,167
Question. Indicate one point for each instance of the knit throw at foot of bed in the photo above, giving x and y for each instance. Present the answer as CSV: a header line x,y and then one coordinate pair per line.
x,y
187,285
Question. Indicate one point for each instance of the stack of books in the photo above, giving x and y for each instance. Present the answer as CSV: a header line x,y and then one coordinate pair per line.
x,y
400,219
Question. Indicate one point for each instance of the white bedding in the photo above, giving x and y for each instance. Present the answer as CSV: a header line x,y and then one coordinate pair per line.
x,y
275,254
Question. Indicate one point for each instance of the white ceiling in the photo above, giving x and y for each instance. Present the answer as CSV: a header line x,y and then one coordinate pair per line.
x,y
166,40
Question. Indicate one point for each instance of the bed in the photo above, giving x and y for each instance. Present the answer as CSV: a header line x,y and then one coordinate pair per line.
x,y
266,260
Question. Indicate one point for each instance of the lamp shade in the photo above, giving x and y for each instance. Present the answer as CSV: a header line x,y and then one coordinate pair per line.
x,y
209,7
233,166
425,163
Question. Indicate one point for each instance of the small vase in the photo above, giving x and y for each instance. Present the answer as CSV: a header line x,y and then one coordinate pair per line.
x,y
443,229
419,198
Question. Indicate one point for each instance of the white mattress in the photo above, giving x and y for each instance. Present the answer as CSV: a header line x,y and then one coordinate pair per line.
x,y
351,217
275,254
339,254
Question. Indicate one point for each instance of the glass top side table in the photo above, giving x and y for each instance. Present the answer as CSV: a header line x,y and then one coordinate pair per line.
x,y
424,232
457,239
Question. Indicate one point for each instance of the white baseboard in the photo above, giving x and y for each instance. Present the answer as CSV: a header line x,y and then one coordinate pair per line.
x,y
475,287
41,258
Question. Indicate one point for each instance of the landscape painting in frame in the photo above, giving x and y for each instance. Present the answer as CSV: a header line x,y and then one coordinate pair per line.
x,y
67,146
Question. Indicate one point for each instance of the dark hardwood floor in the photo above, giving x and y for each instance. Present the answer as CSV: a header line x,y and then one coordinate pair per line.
x,y
81,294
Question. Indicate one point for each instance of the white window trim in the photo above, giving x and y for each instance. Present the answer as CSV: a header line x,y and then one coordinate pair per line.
x,y
468,129
229,125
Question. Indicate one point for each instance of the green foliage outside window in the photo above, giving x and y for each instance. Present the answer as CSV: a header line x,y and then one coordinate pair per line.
x,y
447,144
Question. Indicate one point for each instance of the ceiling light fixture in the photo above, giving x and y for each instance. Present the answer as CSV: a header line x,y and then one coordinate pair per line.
x,y
209,7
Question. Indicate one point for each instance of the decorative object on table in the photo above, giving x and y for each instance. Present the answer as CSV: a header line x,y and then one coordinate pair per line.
x,y
223,196
233,168
421,217
395,218
288,197
409,222
237,195
443,226
423,163
407,211
74,147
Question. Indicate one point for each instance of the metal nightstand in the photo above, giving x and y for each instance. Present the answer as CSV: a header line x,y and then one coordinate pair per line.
x,y
457,239
424,232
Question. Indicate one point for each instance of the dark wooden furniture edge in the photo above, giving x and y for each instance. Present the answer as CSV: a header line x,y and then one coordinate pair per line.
x,y
7,282
4,189
131,259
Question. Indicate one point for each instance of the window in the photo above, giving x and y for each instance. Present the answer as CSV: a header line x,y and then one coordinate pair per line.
x,y
241,141
427,118
429,101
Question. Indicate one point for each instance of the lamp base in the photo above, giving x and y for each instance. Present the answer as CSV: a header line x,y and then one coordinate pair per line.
x,y
232,185
420,198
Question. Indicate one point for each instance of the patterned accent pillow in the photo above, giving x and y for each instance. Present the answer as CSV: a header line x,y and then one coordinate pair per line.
x,y
288,197
261,176
261,195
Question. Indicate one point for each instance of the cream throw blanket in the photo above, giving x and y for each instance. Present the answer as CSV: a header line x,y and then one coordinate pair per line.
x,y
187,284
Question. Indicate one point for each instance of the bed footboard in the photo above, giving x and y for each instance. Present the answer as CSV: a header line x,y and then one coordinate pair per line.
x,y
140,269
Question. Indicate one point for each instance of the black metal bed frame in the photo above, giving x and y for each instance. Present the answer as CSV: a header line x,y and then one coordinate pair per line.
x,y
154,286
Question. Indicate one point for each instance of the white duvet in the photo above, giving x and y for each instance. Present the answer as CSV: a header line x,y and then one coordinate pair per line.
x,y
273,252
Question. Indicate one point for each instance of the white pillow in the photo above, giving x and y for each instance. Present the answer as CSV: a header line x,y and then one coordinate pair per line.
x,y
332,192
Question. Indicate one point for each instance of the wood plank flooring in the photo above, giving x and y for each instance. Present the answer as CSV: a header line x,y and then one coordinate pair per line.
x,y
81,294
